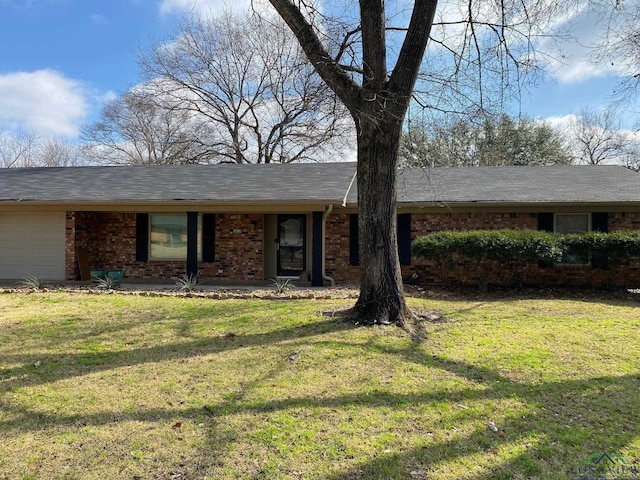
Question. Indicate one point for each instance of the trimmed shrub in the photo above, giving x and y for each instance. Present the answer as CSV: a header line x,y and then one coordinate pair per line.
x,y
514,252
499,245
615,247
508,248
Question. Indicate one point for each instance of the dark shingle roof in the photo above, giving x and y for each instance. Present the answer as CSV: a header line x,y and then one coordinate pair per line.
x,y
546,184
317,183
222,182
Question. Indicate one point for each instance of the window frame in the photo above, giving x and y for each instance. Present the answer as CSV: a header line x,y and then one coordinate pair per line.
x,y
153,258
555,220
566,261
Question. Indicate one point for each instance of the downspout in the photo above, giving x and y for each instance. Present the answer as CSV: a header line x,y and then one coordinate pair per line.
x,y
325,214
344,200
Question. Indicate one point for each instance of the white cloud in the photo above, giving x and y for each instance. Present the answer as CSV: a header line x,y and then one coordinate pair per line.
x,y
108,96
99,19
560,123
588,27
43,100
202,7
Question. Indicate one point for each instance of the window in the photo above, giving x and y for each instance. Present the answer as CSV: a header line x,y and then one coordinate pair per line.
x,y
572,223
168,237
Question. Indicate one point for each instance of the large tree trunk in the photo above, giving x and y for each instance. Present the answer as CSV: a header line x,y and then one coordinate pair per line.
x,y
381,293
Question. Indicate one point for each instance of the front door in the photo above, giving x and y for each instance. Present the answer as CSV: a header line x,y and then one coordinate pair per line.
x,y
291,244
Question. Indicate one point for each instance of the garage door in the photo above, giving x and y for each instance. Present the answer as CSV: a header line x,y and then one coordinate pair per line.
x,y
32,245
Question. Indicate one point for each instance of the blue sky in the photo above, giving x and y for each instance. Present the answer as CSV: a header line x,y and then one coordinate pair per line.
x,y
61,59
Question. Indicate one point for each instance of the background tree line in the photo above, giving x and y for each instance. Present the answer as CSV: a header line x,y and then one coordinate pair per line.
x,y
239,88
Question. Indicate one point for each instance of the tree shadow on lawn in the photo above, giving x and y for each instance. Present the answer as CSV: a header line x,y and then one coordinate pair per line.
x,y
560,424
90,324
54,367
573,418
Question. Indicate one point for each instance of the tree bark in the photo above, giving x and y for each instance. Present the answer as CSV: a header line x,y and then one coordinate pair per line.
x,y
381,299
378,107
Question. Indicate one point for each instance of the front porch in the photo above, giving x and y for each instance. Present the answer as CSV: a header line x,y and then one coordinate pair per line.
x,y
217,247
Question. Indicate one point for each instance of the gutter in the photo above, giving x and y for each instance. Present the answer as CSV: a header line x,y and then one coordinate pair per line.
x,y
325,214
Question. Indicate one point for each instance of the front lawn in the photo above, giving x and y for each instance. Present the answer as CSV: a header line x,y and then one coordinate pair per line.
x,y
128,387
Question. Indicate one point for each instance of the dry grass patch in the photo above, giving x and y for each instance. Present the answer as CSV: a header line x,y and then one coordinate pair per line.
x,y
115,386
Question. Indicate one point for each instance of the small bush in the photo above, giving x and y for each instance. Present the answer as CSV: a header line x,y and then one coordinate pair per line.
x,y
186,283
107,283
33,283
281,285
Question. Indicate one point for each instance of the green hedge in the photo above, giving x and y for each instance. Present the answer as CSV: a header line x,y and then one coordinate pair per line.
x,y
513,249
498,245
615,247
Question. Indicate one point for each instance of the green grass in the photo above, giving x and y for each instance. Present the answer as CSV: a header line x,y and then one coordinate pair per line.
x,y
126,387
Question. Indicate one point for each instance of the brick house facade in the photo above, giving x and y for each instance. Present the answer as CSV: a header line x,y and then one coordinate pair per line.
x,y
109,242
431,272
249,223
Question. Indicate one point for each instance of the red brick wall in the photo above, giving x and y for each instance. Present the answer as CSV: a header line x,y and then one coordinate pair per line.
x,y
624,221
432,273
336,238
239,248
109,240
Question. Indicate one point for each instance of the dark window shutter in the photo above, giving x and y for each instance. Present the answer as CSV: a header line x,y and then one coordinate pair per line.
x,y
600,222
208,237
404,238
192,243
354,248
545,222
142,237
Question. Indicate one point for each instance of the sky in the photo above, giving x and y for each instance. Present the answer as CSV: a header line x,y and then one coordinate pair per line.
x,y
60,60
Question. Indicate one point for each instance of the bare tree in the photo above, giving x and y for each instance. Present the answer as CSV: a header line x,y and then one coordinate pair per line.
x,y
632,157
58,152
25,148
247,79
19,148
598,136
491,43
136,129
619,46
